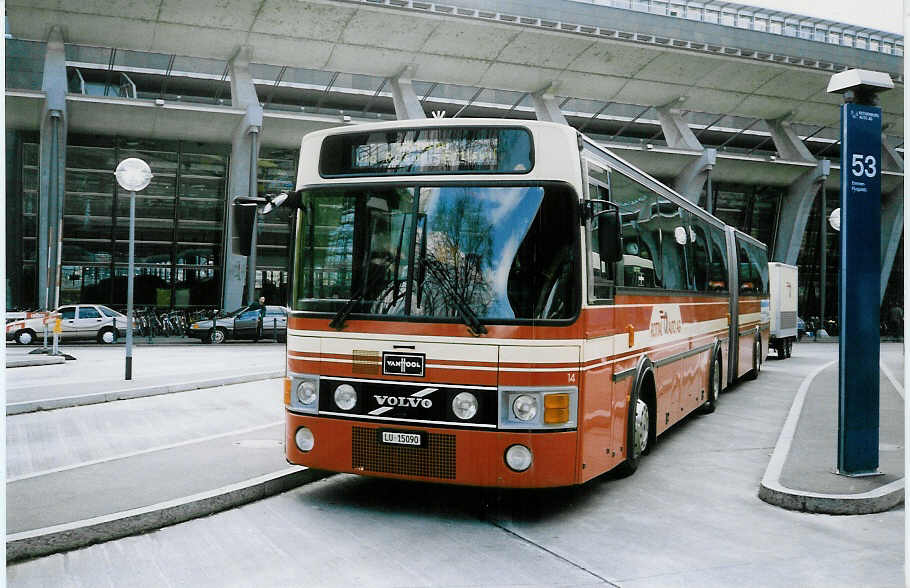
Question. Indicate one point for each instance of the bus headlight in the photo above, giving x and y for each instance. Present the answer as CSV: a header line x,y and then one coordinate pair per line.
x,y
519,458
306,393
524,407
464,405
345,397
304,439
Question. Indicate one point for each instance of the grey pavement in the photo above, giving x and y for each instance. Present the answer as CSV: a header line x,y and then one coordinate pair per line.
x,y
801,473
87,473
97,375
689,516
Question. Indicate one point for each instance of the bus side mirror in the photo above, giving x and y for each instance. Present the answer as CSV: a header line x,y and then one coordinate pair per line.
x,y
244,213
609,235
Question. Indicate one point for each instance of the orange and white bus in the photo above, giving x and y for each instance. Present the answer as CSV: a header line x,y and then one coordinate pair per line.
x,y
503,303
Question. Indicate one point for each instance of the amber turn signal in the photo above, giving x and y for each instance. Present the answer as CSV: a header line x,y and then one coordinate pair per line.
x,y
287,391
556,409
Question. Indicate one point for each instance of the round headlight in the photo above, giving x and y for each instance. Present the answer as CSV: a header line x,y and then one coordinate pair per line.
x,y
304,439
306,393
525,407
345,397
518,457
464,405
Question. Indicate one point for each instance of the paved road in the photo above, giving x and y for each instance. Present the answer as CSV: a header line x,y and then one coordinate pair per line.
x,y
690,516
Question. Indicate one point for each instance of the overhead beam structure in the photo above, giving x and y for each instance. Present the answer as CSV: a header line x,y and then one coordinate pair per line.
x,y
241,178
52,170
892,214
795,208
407,105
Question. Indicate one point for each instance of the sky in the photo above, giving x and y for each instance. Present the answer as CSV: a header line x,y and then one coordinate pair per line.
x,y
885,15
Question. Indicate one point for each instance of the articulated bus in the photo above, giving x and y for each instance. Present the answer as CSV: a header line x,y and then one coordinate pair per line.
x,y
504,303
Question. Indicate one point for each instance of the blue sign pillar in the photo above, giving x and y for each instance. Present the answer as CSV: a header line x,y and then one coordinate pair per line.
x,y
860,201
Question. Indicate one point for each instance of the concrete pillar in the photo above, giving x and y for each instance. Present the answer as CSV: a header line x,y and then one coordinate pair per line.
x,y
787,142
407,105
691,179
794,215
242,174
51,170
545,106
15,298
676,130
892,215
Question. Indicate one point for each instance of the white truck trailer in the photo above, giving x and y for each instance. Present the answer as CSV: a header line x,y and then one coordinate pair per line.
x,y
783,287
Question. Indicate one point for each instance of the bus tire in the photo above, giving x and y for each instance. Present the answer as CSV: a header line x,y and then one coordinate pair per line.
x,y
756,361
714,386
638,431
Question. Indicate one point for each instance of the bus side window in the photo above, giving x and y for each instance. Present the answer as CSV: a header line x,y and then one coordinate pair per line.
x,y
601,271
640,264
699,252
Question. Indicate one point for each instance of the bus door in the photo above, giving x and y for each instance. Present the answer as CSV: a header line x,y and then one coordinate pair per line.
x,y
598,451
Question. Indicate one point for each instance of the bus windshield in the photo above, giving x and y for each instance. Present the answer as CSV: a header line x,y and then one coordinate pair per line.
x,y
495,252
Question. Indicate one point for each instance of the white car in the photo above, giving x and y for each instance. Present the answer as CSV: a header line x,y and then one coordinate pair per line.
x,y
77,321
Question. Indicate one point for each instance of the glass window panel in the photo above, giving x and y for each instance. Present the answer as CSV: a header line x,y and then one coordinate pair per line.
x,y
30,249
860,43
776,27
151,285
834,37
202,188
727,18
30,203
30,154
744,21
887,48
147,229
203,164
760,24
197,209
693,13
199,232
82,226
161,162
198,254
197,286
149,207
711,16
84,181
87,205
161,185
88,284
90,158
790,29
874,44
641,233
96,251
805,32
270,234
146,253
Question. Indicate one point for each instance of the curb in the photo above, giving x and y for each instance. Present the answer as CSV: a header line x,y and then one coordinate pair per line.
x,y
49,540
128,393
772,491
33,361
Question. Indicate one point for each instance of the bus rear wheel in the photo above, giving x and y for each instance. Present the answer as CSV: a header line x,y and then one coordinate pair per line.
x,y
713,387
756,361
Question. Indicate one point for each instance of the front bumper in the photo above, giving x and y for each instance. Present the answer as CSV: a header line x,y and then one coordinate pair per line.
x,y
453,456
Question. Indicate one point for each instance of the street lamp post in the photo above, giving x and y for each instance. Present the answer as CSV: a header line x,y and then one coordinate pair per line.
x,y
134,175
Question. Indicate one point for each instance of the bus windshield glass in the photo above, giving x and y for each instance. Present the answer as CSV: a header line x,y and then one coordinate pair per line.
x,y
497,253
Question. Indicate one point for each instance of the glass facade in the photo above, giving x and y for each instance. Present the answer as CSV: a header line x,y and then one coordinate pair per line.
x,y
179,226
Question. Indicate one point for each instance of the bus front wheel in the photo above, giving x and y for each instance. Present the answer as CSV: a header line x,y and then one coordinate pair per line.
x,y
638,432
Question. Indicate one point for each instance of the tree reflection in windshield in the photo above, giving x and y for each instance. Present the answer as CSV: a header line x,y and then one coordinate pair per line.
x,y
477,254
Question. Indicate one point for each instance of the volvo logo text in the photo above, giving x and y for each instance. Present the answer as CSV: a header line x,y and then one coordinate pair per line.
x,y
406,401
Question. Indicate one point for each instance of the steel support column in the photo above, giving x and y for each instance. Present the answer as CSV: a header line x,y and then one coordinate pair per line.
x,y
788,144
407,105
52,170
545,106
676,130
795,208
692,178
892,215
241,179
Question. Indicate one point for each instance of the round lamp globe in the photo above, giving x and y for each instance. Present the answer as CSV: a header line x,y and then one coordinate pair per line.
x,y
133,174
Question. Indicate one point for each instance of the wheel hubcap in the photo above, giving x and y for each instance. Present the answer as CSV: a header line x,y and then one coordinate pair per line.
x,y
107,337
715,382
218,337
640,440
25,338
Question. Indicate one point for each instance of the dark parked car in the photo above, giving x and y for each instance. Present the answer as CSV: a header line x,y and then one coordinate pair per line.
x,y
244,323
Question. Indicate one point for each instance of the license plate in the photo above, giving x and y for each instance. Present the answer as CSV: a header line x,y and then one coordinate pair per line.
x,y
401,438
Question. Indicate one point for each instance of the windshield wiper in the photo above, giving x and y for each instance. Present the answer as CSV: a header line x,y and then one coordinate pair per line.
x,y
337,321
467,315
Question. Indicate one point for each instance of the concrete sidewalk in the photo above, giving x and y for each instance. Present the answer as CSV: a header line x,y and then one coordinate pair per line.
x,y
97,375
800,475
